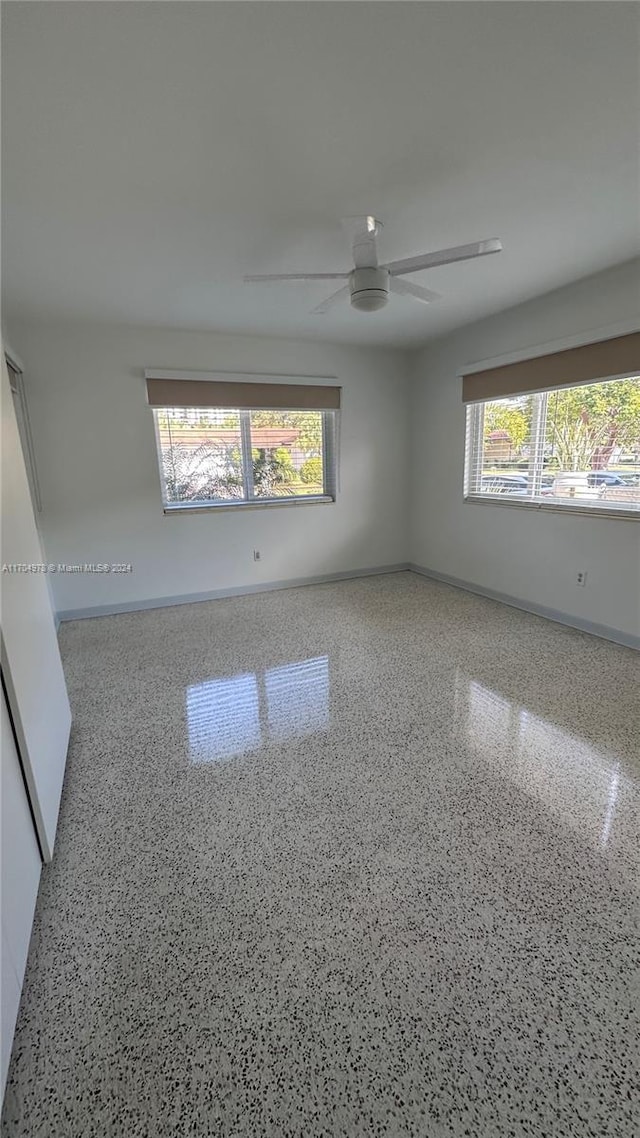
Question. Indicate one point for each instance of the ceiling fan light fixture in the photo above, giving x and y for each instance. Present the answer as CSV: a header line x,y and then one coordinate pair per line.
x,y
369,289
370,300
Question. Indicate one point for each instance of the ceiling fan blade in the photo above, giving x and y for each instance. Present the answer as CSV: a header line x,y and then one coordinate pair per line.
x,y
257,279
406,289
320,309
445,256
363,233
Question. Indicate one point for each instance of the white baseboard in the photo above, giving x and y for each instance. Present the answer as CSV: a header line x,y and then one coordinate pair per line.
x,y
219,594
628,639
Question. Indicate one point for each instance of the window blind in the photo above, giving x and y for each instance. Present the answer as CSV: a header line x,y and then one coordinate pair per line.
x,y
241,395
577,446
588,363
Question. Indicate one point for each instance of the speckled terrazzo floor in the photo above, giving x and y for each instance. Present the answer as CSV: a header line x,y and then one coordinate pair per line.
x,y
355,859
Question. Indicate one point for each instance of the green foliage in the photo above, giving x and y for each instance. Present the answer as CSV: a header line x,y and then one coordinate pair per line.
x,y
514,418
270,471
285,468
573,444
311,470
585,424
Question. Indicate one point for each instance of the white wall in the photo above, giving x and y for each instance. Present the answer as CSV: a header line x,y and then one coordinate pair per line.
x,y
526,554
95,451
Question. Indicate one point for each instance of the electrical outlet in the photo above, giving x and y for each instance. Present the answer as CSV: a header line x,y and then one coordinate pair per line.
x,y
581,578
256,555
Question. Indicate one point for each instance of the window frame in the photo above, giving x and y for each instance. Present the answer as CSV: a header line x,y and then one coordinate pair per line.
x,y
250,501
473,463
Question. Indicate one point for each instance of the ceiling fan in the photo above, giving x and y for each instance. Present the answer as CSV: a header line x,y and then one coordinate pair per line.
x,y
368,283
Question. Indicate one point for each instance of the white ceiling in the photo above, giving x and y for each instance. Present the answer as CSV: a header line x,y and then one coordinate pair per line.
x,y
155,152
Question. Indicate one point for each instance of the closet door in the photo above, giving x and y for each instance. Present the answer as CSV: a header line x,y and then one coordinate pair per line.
x,y
31,665
20,878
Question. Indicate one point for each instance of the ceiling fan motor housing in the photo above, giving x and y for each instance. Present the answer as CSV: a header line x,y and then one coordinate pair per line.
x,y
369,289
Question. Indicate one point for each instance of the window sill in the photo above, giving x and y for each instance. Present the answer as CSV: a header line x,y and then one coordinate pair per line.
x,y
254,504
599,511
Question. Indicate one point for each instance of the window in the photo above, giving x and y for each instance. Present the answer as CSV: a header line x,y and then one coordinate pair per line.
x,y
576,447
217,456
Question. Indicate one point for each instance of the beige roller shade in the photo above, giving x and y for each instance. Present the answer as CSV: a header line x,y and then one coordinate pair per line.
x,y
242,396
587,364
